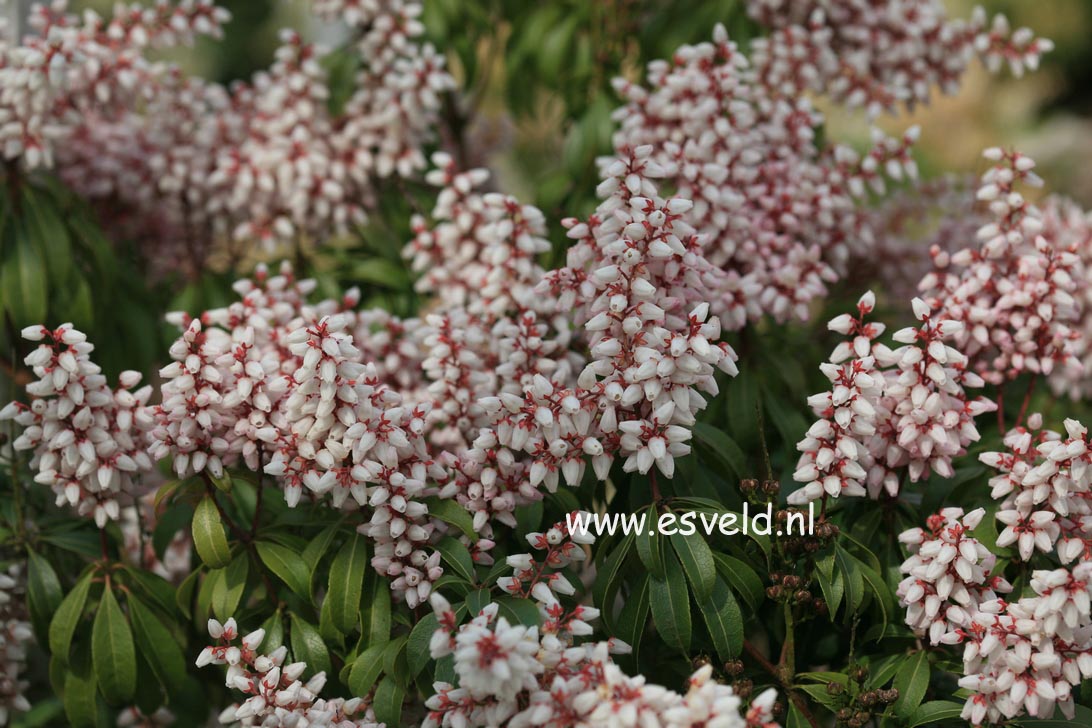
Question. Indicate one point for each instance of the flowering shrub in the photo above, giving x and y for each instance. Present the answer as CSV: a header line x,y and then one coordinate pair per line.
x,y
317,511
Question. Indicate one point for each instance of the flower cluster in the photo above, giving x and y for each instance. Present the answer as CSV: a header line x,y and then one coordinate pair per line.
x,y
187,163
1014,293
277,694
948,575
889,409
781,212
880,55
74,66
518,675
85,436
1023,656
15,636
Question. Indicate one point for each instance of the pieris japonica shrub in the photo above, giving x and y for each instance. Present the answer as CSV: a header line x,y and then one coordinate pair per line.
x,y
299,503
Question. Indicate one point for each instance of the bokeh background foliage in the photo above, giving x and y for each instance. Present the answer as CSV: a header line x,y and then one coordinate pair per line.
x,y
535,106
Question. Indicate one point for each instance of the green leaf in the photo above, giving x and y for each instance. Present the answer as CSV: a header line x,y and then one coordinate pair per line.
x,y
23,281
44,593
650,549
308,646
319,545
634,617
229,588
724,620
274,633
209,536
67,618
885,599
912,681
851,575
158,646
287,565
347,582
366,669
387,702
476,601
417,652
609,579
453,514
743,579
80,703
697,561
457,556
183,598
112,652
723,449
935,711
376,615
830,583
670,603
518,611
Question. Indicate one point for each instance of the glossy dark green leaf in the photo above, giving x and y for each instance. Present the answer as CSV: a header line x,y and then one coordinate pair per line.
x,y
308,646
724,620
44,593
608,580
366,670
228,592
743,579
158,646
847,566
722,449
23,277
634,617
67,618
112,651
457,556
912,682
376,614
274,633
650,548
287,565
518,610
346,582
451,513
417,652
387,702
670,602
936,711
697,562
208,535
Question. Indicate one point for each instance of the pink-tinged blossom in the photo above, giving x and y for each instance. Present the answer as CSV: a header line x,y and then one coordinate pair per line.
x,y
1023,656
834,458
85,436
276,693
16,635
882,55
930,414
187,165
889,411
782,214
947,575
539,676
1014,291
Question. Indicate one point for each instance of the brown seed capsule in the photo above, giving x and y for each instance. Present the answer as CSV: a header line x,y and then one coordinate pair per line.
x,y
771,487
802,596
820,607
834,688
791,581
748,485
777,709
773,592
734,667
844,714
